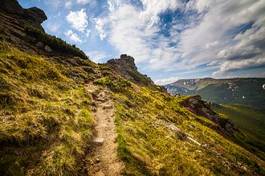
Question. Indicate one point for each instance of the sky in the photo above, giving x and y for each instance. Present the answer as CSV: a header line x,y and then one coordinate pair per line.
x,y
169,39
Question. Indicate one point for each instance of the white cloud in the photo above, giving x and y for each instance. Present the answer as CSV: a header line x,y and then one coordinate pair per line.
x,y
153,8
239,64
132,30
83,2
100,28
212,39
78,20
166,81
97,56
113,4
73,36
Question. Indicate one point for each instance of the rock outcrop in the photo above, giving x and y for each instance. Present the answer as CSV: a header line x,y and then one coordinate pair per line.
x,y
16,21
199,107
22,27
34,14
125,66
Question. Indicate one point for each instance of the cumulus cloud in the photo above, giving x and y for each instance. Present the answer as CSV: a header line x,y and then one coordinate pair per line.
x,y
133,30
229,30
73,36
195,36
216,34
78,20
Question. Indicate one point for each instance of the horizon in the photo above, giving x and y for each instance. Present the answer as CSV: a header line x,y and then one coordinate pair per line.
x,y
215,79
170,40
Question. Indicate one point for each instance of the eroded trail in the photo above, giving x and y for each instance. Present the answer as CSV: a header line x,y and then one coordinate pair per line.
x,y
103,159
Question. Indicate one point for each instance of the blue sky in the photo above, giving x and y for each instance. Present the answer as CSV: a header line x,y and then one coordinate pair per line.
x,y
169,39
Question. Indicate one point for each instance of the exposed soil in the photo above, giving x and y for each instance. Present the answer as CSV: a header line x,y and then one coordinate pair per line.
x,y
103,159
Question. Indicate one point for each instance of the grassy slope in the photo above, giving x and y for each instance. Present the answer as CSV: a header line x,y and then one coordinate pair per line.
x,y
46,124
45,121
149,147
250,121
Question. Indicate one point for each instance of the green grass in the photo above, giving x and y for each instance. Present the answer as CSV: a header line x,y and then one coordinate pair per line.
x,y
46,123
149,148
250,121
45,119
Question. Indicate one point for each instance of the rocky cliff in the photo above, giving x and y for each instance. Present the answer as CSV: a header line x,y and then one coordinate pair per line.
x,y
126,67
22,27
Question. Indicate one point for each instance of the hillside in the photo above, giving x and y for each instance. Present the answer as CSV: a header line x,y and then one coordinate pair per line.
x,y
244,91
62,114
250,121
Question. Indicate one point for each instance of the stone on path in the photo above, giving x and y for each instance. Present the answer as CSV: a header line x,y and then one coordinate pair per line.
x,y
98,141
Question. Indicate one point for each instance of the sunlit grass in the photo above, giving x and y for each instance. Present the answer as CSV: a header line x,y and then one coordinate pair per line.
x,y
46,123
149,148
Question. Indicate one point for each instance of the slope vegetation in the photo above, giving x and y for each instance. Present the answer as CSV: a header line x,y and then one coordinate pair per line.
x,y
156,136
251,123
45,114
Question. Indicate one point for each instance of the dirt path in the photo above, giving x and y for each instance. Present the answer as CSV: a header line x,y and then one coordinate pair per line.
x,y
103,159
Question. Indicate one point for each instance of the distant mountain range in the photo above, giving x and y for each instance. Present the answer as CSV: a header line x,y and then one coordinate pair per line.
x,y
244,91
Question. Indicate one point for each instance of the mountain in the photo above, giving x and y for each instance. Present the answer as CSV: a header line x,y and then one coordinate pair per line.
x,y
62,114
244,91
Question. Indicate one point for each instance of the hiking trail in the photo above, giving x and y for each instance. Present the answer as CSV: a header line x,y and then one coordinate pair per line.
x,y
103,158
